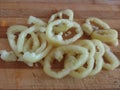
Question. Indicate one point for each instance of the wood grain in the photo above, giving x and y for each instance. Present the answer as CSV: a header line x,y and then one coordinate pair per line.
x,y
17,75
110,2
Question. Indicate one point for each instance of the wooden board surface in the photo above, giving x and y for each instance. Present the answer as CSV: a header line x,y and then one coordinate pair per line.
x,y
20,76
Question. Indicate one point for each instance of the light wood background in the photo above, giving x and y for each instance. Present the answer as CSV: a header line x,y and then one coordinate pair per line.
x,y
20,76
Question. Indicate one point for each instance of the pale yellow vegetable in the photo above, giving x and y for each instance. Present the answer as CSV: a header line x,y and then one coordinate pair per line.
x,y
57,40
67,12
112,61
98,57
109,36
88,27
83,71
79,56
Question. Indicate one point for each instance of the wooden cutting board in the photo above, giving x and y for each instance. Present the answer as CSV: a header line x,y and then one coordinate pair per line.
x,y
19,76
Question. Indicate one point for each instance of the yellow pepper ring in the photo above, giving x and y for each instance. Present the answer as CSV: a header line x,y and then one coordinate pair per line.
x,y
83,71
100,23
67,12
40,52
112,60
98,57
109,36
58,39
79,57
89,28
12,30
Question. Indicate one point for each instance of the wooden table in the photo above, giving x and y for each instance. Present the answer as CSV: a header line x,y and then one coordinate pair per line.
x,y
20,76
